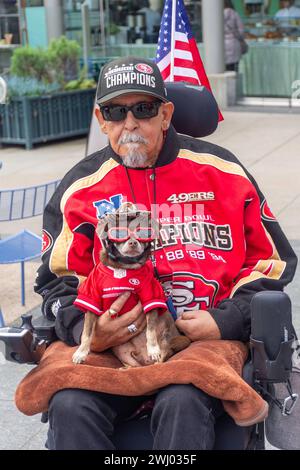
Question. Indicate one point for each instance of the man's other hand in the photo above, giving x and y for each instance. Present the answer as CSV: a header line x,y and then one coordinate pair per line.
x,y
197,325
111,332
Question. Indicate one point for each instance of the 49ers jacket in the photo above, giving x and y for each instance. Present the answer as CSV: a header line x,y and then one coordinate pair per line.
x,y
219,242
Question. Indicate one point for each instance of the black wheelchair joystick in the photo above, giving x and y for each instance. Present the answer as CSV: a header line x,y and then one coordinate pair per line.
x,y
27,343
27,321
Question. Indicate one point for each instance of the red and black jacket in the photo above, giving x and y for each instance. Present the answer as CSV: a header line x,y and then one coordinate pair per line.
x,y
219,242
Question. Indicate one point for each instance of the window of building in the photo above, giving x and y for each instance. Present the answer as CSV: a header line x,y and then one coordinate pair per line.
x,y
9,22
34,3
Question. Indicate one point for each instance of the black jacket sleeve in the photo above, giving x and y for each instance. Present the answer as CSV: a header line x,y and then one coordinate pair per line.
x,y
58,289
58,297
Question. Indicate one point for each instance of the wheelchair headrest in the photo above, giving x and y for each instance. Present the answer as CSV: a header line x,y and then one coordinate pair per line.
x,y
196,110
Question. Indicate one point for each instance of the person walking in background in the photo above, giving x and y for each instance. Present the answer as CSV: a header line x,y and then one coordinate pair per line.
x,y
233,36
286,15
287,10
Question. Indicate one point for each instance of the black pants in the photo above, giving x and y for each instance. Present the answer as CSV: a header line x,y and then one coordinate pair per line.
x,y
183,418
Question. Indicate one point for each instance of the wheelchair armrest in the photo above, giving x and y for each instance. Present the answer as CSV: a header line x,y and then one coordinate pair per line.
x,y
271,336
27,343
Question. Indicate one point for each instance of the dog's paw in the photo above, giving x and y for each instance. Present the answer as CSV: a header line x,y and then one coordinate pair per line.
x,y
154,353
79,357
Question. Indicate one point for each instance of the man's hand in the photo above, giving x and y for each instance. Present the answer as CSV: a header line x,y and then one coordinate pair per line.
x,y
111,332
197,325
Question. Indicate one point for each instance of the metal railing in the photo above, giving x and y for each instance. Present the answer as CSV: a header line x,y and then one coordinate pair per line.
x,y
22,203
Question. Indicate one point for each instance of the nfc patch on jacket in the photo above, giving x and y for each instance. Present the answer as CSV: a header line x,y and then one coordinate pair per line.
x,y
107,206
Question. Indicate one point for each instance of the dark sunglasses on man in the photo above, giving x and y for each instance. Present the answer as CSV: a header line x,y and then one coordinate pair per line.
x,y
142,110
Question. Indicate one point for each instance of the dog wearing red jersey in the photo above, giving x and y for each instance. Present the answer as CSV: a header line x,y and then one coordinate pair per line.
x,y
126,238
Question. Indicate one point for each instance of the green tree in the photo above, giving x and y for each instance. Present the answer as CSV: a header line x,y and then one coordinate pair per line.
x,y
64,55
31,62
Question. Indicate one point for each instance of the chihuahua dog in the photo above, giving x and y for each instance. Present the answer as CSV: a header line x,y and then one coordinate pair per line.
x,y
126,238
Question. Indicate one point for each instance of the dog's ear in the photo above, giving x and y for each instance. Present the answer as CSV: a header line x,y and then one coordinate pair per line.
x,y
110,220
145,220
102,227
127,208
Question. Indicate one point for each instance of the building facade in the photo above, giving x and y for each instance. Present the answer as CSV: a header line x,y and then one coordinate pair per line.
x,y
122,27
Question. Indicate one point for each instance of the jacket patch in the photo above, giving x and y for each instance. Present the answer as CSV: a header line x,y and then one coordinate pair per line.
x,y
47,241
105,206
186,287
266,212
192,197
198,233
55,307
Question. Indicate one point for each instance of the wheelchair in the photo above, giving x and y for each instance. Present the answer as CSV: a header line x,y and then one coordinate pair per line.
x,y
272,332
269,362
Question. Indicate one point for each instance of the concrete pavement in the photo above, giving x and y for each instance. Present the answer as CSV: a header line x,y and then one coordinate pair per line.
x,y
267,144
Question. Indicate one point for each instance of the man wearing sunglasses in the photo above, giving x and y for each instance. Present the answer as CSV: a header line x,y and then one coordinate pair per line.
x,y
136,123
219,246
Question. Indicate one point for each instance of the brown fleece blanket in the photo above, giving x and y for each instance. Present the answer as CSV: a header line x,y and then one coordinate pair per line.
x,y
213,366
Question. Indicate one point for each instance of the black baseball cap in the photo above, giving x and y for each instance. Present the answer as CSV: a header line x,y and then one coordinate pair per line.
x,y
130,75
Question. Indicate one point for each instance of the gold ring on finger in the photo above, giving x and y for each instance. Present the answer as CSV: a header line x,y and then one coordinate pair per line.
x,y
113,313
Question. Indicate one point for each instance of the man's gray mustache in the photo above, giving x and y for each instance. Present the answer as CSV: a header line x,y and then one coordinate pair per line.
x,y
132,139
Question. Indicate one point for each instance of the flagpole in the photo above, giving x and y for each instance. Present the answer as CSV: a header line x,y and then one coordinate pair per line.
x,y
173,39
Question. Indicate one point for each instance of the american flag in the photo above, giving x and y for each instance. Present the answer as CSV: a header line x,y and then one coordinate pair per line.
x,y
177,54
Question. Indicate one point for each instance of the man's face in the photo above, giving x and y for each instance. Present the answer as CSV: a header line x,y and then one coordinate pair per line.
x,y
137,141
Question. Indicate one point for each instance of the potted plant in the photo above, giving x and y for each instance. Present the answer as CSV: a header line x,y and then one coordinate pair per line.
x,y
48,97
112,31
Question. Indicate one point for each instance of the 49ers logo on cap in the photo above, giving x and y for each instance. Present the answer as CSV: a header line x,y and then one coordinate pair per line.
x,y
144,68
47,241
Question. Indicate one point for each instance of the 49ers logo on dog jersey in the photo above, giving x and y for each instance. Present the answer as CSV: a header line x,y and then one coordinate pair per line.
x,y
134,281
47,241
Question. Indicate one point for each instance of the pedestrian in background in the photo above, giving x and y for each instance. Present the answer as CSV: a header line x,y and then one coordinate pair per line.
x,y
287,16
235,44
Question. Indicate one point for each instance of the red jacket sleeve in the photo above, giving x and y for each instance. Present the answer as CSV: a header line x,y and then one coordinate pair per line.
x,y
151,294
90,294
